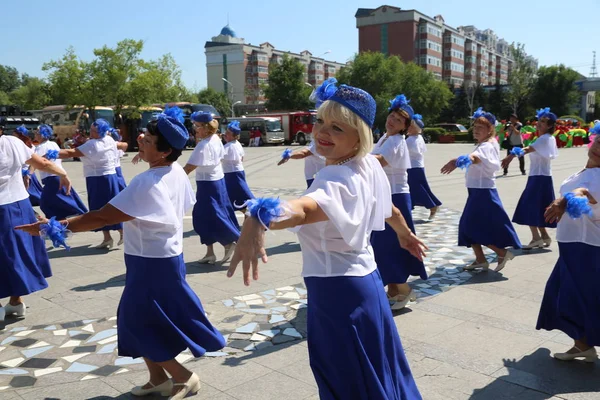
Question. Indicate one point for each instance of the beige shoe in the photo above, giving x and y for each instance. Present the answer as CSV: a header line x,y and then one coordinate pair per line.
x,y
534,244
164,389
18,310
208,260
192,386
501,264
589,355
400,301
547,242
228,253
475,266
107,244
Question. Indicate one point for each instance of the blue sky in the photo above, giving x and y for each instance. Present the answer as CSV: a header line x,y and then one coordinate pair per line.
x,y
36,31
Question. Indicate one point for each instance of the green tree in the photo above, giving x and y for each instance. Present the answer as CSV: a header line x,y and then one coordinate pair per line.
x,y
555,88
68,78
9,79
4,99
521,79
385,77
218,100
287,89
34,94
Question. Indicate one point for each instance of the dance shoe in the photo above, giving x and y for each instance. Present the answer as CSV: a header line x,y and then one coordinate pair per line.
x,y
501,264
192,386
107,244
589,355
18,310
164,389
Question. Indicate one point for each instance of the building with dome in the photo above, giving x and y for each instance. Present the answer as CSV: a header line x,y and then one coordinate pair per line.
x,y
239,68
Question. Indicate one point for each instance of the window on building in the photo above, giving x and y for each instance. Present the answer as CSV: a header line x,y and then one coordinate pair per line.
x,y
423,28
434,46
423,60
263,70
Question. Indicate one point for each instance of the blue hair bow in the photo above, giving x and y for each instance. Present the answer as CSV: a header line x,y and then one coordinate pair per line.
x,y
399,101
546,113
45,131
324,92
174,112
480,112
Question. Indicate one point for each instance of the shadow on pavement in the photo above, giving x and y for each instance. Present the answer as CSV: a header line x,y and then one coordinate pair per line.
x,y
78,252
116,281
545,376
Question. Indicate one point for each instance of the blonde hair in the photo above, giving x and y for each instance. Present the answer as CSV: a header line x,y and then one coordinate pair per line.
x,y
331,110
211,126
484,121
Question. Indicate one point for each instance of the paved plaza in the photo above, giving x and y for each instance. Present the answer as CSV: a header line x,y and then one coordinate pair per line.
x,y
469,335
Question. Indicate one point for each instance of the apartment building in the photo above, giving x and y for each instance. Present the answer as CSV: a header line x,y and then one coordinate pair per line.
x,y
240,69
455,55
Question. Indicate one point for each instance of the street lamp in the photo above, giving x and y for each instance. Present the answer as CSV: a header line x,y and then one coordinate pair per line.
x,y
321,55
230,84
233,108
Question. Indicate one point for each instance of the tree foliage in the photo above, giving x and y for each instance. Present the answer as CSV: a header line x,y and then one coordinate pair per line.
x,y
9,79
385,77
218,100
521,79
555,88
34,94
286,89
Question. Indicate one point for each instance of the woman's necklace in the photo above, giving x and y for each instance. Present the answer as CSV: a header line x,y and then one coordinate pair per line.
x,y
344,161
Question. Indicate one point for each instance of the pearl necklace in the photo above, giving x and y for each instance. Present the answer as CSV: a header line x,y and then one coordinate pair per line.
x,y
344,161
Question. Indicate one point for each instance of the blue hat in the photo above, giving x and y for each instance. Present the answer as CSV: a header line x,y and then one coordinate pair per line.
x,y
418,118
356,100
175,112
22,130
172,129
545,113
400,102
234,127
481,113
102,125
45,131
115,135
202,116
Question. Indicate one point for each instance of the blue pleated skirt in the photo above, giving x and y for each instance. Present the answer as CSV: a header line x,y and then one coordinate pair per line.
x,y
159,315
309,182
56,203
571,300
485,222
101,190
24,264
354,347
420,192
237,188
34,190
394,263
537,196
213,216
122,183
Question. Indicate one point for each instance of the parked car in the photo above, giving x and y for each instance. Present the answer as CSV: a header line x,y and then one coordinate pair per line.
x,y
452,128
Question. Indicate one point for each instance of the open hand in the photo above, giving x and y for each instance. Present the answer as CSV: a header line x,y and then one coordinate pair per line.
x,y
413,245
32,229
449,167
555,211
507,160
65,183
249,248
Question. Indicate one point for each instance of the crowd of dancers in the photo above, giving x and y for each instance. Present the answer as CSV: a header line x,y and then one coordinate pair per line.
x,y
354,224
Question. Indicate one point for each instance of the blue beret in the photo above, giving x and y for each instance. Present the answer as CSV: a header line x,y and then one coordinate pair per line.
x,y
173,130
201,116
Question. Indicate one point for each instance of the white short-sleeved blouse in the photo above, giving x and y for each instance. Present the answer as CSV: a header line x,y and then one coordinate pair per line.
x,y
541,158
233,157
483,174
314,163
207,158
158,199
100,156
41,151
416,150
13,155
357,199
587,228
394,150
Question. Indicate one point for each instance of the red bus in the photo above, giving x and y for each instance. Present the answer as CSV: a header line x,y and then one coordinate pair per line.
x,y
297,125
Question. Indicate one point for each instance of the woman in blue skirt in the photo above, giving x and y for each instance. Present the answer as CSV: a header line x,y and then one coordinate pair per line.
x,y
484,221
99,157
539,192
159,315
55,202
420,192
24,264
571,303
114,133
395,263
233,167
33,185
354,347
213,216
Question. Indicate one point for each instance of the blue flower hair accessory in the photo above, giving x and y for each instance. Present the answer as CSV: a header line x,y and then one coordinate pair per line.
x,y
265,209
51,155
56,232
45,131
517,152
25,171
577,206
418,118
234,127
480,112
545,113
324,92
174,112
400,102
595,130
22,130
464,162
358,101
287,153
102,126
202,116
